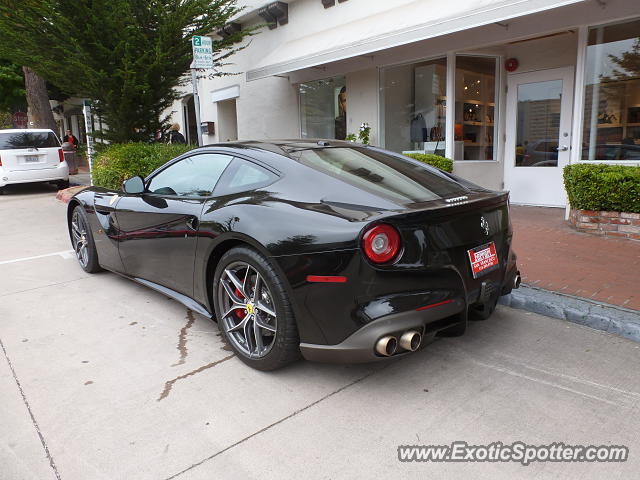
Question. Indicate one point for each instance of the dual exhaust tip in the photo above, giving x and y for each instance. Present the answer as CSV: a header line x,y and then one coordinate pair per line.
x,y
388,345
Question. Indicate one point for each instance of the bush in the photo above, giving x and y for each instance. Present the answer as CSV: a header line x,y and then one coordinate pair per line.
x,y
119,161
603,187
437,161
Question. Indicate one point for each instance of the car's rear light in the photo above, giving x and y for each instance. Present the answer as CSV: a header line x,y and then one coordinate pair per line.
x,y
60,155
381,243
0,161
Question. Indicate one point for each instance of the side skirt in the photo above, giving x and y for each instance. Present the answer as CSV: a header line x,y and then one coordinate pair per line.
x,y
183,299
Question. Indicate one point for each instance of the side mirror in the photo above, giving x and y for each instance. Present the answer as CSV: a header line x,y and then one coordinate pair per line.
x,y
134,185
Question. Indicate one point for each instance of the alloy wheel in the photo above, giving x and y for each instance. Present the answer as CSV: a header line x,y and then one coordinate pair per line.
x,y
249,317
80,238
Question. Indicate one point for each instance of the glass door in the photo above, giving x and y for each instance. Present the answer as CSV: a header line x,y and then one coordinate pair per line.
x,y
538,136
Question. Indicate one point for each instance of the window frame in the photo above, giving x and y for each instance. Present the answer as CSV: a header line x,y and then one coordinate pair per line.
x,y
580,94
450,57
185,156
219,189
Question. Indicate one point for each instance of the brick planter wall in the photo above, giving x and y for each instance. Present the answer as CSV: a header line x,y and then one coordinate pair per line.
x,y
613,224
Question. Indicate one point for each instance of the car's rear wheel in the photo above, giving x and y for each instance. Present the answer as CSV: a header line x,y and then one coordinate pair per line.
x,y
82,241
62,184
253,310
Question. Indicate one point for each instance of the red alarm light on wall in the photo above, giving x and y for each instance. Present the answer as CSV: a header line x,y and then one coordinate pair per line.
x,y
511,64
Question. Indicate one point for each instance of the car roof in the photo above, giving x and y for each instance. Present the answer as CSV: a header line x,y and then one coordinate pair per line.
x,y
286,146
23,130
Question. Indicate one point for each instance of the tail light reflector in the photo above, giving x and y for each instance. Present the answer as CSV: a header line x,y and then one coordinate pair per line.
x,y
60,155
381,243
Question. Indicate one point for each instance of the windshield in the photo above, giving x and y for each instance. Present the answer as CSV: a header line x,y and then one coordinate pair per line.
x,y
385,175
16,140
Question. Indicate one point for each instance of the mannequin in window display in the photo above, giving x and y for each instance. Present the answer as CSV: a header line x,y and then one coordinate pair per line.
x,y
341,119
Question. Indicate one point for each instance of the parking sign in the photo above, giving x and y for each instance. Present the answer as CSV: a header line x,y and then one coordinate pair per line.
x,y
202,52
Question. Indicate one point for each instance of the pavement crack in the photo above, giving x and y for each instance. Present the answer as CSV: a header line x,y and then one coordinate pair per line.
x,y
33,418
277,422
182,339
44,286
169,384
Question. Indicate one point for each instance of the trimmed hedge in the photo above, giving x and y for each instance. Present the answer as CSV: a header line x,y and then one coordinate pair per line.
x,y
119,161
603,187
437,161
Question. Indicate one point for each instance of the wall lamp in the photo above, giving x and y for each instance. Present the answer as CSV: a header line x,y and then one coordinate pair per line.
x,y
276,13
229,29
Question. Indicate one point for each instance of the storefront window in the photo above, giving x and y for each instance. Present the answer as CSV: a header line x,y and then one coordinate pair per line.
x,y
611,120
475,108
414,107
323,109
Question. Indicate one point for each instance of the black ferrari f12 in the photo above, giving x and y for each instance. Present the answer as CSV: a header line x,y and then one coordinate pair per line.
x,y
336,251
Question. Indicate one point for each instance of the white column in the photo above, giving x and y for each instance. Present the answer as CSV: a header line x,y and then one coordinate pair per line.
x,y
451,109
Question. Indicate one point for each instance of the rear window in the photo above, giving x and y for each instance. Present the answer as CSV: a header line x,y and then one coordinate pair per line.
x,y
386,175
14,141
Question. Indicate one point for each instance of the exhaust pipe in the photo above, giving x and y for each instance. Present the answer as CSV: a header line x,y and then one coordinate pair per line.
x,y
410,340
387,346
516,280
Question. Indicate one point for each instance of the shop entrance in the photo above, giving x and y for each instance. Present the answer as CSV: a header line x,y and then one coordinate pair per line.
x,y
538,135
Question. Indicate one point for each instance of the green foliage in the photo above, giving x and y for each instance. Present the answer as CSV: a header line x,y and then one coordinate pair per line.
x,y
437,161
363,133
603,187
128,56
6,120
12,93
117,162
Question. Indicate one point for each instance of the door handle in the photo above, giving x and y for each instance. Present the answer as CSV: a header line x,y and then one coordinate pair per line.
x,y
192,223
562,148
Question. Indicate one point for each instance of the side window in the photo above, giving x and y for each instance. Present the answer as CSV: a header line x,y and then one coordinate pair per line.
x,y
242,176
193,176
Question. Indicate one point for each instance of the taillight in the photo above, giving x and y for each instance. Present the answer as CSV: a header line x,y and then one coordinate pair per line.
x,y
0,161
381,243
61,155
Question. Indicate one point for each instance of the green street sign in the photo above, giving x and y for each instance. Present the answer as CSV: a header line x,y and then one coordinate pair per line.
x,y
202,52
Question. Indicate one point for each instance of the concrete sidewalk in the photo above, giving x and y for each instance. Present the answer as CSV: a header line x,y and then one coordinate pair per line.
x,y
80,178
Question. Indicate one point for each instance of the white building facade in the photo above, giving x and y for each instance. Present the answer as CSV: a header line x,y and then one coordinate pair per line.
x,y
511,90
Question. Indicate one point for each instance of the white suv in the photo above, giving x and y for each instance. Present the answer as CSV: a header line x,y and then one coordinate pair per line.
x,y
31,155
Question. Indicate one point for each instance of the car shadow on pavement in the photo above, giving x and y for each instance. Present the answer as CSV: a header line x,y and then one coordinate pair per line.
x,y
29,188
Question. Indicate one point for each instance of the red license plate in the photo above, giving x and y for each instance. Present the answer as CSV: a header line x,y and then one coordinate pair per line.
x,y
483,259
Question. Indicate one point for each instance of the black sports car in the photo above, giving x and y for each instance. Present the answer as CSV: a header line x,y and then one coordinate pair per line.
x,y
333,250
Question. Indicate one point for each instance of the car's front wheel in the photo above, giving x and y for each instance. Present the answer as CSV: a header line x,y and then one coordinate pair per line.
x,y
82,241
253,310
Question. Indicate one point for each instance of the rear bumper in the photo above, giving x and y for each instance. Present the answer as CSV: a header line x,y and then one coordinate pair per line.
x,y
359,347
59,172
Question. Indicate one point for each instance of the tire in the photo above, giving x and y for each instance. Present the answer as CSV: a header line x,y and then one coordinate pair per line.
x,y
456,330
2,190
259,324
62,184
82,241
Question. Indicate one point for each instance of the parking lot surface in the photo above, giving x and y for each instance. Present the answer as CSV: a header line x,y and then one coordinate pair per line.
x,y
101,378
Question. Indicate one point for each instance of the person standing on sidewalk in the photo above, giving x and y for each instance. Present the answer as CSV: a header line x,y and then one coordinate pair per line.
x,y
71,138
174,135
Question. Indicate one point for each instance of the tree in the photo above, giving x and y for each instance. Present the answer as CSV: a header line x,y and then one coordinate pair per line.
x,y
627,64
128,56
38,98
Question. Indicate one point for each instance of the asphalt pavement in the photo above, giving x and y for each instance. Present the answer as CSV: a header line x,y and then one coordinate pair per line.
x,y
101,378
